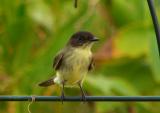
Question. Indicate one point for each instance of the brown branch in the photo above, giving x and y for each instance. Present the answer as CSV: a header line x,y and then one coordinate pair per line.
x,y
75,3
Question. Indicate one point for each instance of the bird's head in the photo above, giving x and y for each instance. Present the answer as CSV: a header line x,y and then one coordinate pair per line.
x,y
82,39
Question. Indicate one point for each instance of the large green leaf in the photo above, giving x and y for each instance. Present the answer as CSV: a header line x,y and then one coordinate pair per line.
x,y
154,59
109,85
133,40
136,71
126,12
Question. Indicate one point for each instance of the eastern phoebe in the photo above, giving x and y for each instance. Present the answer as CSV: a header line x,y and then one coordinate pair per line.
x,y
73,62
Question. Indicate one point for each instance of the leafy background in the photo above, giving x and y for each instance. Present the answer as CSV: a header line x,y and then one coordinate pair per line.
x,y
127,61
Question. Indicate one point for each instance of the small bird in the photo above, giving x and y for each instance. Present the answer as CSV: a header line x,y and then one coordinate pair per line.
x,y
73,62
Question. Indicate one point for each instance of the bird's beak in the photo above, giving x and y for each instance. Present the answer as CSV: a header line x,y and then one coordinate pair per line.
x,y
94,39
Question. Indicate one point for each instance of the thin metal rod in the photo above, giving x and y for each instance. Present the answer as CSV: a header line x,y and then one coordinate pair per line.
x,y
155,22
78,98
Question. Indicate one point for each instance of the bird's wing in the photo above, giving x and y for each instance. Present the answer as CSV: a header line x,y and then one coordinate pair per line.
x,y
58,61
91,65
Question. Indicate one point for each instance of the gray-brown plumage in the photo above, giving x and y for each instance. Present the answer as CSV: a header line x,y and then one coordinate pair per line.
x,y
47,83
73,62
58,61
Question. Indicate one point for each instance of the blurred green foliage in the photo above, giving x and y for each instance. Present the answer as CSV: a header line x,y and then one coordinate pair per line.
x,y
127,61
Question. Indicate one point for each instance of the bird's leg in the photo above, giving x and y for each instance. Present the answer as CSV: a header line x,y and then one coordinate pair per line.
x,y
62,91
82,92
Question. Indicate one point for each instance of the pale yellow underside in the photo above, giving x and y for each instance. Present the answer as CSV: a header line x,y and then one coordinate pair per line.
x,y
77,62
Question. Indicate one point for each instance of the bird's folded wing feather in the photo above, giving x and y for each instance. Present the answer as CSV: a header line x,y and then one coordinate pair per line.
x,y
58,61
91,65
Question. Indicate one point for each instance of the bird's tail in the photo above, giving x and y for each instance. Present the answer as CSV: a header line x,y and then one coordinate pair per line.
x,y
47,83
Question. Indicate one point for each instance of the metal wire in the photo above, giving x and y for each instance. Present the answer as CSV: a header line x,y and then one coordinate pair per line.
x,y
78,98
155,22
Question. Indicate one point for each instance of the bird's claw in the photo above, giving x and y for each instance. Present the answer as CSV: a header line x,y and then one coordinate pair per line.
x,y
62,97
83,98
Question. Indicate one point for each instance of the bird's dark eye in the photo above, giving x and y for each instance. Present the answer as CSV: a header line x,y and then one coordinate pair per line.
x,y
80,39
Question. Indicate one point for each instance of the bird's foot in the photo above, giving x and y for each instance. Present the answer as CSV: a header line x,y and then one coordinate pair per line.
x,y
62,97
83,98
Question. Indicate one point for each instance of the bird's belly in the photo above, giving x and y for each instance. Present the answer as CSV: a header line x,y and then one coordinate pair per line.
x,y
74,67
73,77
74,70
73,73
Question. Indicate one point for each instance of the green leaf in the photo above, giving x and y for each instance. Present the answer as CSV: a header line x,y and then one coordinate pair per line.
x,y
154,59
109,85
136,71
133,40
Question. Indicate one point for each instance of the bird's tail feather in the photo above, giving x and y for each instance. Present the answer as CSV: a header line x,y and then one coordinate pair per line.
x,y
47,83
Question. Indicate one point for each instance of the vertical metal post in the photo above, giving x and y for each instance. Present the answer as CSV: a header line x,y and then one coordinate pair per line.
x,y
155,22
